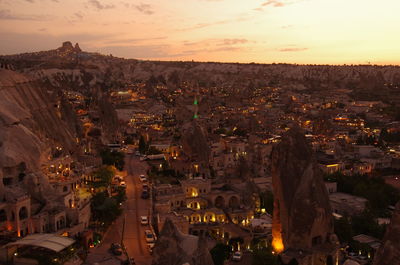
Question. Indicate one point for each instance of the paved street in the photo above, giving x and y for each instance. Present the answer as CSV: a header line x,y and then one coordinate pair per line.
x,y
101,254
135,207
133,237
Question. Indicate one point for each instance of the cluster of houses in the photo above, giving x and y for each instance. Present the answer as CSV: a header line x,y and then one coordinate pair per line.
x,y
221,143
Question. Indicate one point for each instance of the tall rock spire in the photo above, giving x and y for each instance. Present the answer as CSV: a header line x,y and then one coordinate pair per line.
x,y
389,252
175,248
302,218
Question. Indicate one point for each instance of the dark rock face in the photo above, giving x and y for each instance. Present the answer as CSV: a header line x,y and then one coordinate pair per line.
x,y
194,142
389,252
175,248
108,118
302,218
69,116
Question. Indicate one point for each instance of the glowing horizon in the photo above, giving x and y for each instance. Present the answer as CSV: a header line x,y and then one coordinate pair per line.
x,y
260,31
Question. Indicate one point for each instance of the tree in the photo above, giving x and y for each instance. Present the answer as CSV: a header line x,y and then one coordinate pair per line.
x,y
113,158
264,256
344,229
121,194
104,209
142,145
220,253
365,223
103,176
379,194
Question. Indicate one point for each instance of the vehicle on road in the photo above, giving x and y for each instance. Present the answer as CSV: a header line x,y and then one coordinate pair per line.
x,y
150,238
145,194
237,256
142,178
122,184
143,158
145,187
144,220
116,249
114,146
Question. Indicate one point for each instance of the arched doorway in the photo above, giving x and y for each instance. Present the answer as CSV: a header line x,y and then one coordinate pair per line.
x,y
193,192
329,260
219,202
209,217
233,202
3,216
23,213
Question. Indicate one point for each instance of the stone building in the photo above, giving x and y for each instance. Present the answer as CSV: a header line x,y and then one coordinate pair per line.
x,y
203,205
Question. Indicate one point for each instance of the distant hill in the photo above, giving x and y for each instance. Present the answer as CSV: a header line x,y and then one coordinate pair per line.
x,y
69,66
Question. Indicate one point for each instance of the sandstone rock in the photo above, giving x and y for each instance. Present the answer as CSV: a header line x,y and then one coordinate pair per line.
x,y
29,127
176,248
194,142
302,218
389,252
108,118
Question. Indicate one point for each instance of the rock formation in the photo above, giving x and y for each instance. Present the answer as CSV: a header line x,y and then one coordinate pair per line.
x,y
194,142
68,47
302,218
77,48
29,128
69,116
108,119
176,248
389,252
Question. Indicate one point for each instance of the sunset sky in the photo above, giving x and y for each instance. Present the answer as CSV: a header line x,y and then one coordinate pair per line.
x,y
263,31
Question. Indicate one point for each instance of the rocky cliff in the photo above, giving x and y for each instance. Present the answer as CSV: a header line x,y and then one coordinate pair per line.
x,y
29,128
389,252
175,248
302,218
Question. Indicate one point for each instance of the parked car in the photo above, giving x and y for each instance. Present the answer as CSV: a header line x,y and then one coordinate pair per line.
x,y
116,249
122,184
237,256
149,236
144,220
145,194
145,187
142,178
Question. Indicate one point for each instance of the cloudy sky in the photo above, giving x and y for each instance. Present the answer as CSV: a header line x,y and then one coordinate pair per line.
x,y
263,31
